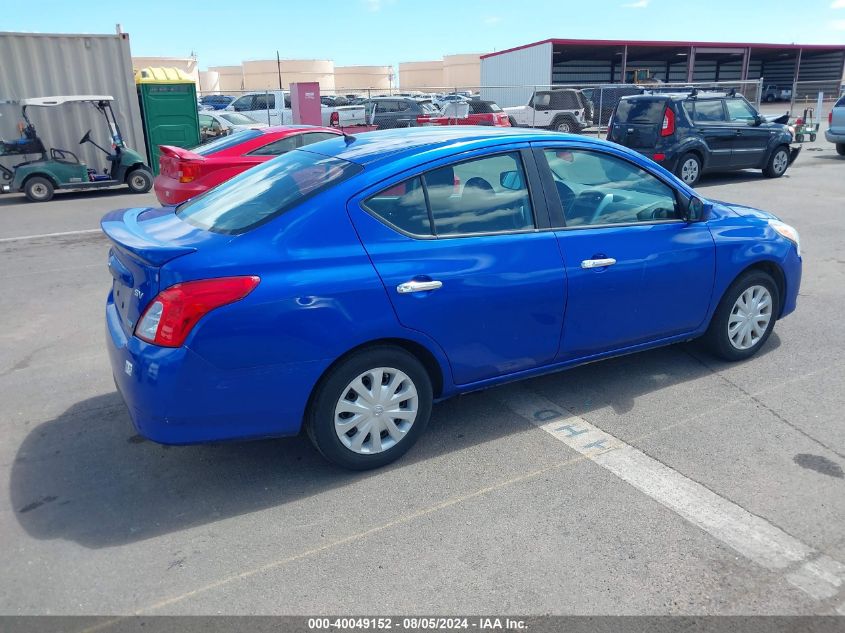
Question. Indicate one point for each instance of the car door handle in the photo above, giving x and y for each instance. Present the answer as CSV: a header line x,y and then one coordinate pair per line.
x,y
418,286
598,263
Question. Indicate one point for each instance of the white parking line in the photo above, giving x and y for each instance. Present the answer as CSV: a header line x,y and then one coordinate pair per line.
x,y
752,536
43,235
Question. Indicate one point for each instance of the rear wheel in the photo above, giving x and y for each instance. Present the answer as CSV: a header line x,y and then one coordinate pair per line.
x,y
370,408
689,169
840,149
745,317
812,138
38,189
139,180
799,138
778,162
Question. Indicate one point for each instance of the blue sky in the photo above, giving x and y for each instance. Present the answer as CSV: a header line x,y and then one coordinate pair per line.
x,y
392,31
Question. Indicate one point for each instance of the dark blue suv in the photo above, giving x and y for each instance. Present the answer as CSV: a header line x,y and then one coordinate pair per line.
x,y
691,133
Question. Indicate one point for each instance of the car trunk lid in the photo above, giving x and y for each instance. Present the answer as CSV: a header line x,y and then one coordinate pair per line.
x,y
175,162
636,122
143,240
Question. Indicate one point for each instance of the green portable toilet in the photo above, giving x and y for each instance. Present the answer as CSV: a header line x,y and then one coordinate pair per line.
x,y
168,99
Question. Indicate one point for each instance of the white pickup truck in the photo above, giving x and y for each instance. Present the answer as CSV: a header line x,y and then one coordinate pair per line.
x,y
559,109
273,107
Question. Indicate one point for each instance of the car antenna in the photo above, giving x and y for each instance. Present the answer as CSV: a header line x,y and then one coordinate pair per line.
x,y
347,138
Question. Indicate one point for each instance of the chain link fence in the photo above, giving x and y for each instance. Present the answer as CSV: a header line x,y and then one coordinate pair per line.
x,y
575,108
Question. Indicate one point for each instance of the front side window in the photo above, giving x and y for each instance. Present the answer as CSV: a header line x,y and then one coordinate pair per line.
x,y
597,189
263,102
276,148
541,100
264,192
485,195
738,110
243,104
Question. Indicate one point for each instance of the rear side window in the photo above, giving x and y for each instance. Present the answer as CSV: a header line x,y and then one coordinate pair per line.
x,y
264,192
640,111
486,195
316,137
277,147
226,142
709,112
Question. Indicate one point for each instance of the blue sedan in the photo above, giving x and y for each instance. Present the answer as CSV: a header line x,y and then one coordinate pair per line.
x,y
346,286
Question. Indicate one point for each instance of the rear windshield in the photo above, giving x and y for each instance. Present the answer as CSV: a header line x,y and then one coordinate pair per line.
x,y
264,192
225,142
640,111
483,107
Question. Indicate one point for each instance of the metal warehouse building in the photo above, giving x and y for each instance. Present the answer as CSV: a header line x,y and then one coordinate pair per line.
x,y
561,61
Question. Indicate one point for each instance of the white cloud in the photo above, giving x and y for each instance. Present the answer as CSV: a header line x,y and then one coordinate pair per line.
x,y
642,4
492,20
837,4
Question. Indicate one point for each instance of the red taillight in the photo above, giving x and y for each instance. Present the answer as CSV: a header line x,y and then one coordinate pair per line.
x,y
830,118
668,127
659,157
169,318
188,172
334,119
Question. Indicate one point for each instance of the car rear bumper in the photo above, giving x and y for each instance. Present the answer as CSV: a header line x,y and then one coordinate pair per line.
x,y
834,137
174,396
170,191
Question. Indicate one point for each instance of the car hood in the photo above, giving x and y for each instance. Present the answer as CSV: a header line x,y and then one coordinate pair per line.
x,y
744,211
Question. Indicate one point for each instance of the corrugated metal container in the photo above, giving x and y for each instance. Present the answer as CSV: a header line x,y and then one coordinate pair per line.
x,y
523,68
44,65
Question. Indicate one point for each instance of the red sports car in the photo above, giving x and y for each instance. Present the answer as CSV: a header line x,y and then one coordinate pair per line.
x,y
480,113
185,173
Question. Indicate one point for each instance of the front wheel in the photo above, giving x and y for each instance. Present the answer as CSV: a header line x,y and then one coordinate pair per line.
x,y
139,180
565,125
778,162
689,169
370,409
745,317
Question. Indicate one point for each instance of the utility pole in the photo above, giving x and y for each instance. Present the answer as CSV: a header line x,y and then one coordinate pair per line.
x,y
279,68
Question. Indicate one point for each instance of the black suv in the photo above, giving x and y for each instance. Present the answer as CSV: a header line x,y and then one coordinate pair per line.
x,y
692,133
393,112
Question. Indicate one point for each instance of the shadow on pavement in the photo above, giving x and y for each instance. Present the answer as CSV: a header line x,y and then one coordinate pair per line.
x,y
86,476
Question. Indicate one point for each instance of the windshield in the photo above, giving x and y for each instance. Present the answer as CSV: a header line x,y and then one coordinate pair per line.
x,y
225,142
236,118
640,111
260,194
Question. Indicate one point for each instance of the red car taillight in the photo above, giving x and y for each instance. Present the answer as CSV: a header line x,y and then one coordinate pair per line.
x,y
830,118
174,312
668,127
334,119
188,172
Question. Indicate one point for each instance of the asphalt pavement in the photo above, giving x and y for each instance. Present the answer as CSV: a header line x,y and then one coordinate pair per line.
x,y
724,492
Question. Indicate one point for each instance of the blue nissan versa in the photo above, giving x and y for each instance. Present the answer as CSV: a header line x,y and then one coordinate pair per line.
x,y
346,286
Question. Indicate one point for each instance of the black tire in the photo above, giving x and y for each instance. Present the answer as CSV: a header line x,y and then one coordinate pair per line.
x,y
335,385
769,98
39,189
799,138
778,163
689,169
139,180
717,337
565,125
812,138
840,149
513,122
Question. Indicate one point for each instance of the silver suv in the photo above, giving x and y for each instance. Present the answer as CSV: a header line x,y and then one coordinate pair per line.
x,y
835,132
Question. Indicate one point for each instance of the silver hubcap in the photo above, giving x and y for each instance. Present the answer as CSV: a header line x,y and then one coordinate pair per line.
x,y
689,171
750,317
39,190
779,163
563,127
376,410
138,182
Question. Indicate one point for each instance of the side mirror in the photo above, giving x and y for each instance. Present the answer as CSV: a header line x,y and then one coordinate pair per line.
x,y
511,180
759,119
692,210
